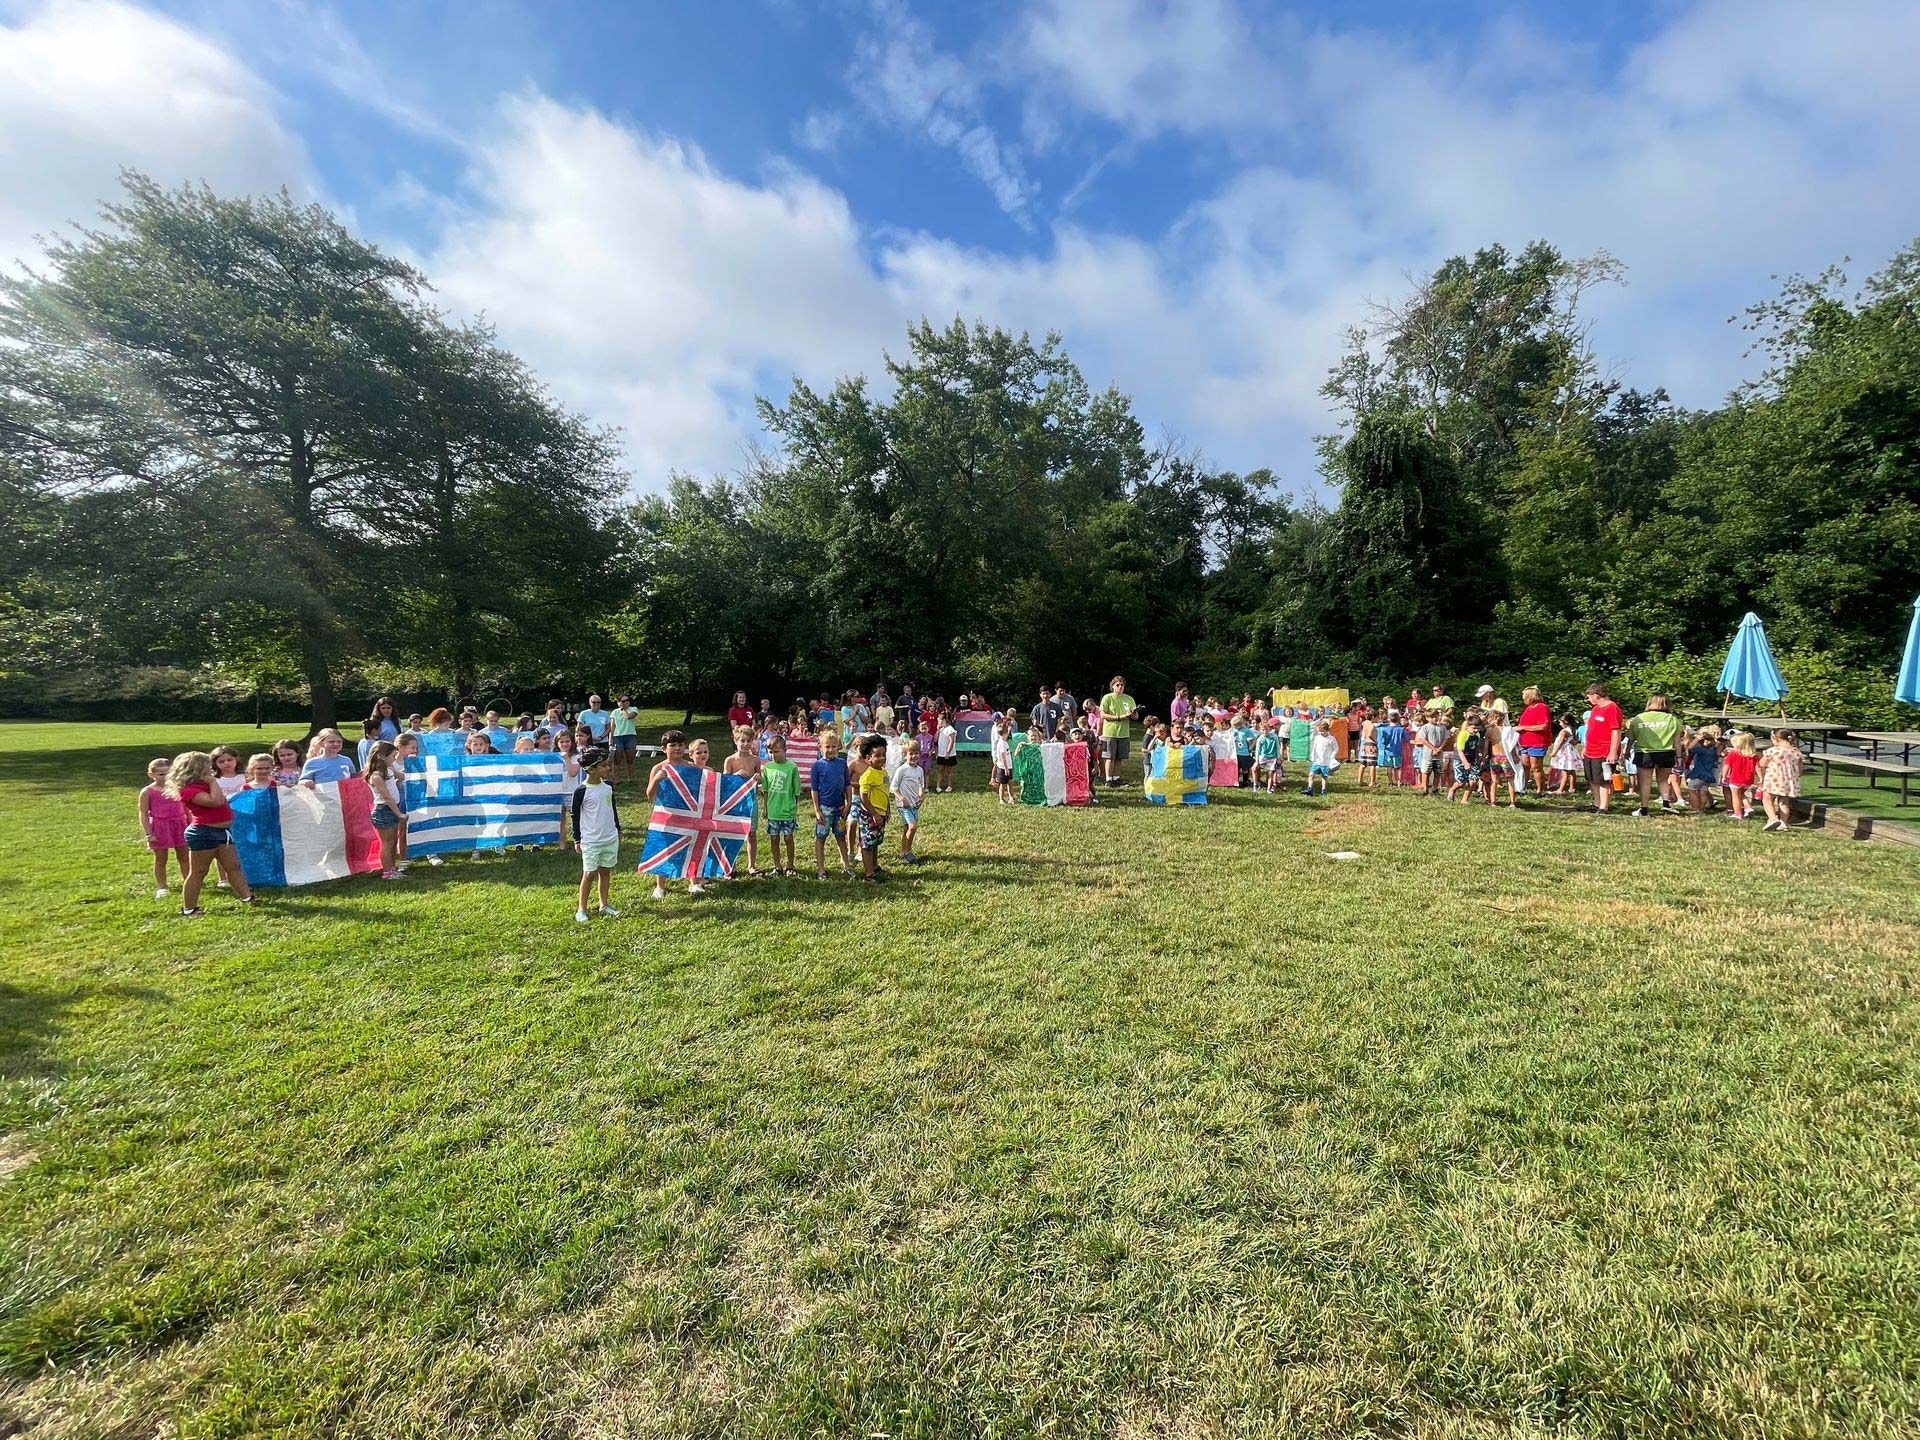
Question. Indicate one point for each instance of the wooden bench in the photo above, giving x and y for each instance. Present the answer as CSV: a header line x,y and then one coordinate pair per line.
x,y
1873,770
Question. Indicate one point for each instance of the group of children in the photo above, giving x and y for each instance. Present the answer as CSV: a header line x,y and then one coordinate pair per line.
x,y
852,799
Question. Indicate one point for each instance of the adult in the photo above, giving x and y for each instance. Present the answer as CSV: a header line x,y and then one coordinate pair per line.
x,y
1655,733
1600,751
1181,707
1042,716
1536,733
386,725
595,719
1063,704
626,738
1118,711
909,705
738,713
879,696
1442,701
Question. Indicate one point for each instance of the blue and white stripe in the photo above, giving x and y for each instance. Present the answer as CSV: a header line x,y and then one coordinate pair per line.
x,y
459,802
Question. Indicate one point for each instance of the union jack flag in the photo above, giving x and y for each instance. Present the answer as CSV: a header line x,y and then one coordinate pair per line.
x,y
700,820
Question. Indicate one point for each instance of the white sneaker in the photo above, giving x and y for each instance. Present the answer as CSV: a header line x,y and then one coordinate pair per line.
x,y
580,917
696,889
160,893
609,912
1773,825
659,892
433,860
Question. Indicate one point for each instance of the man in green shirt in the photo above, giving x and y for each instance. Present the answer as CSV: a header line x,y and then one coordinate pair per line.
x,y
1655,733
625,740
1117,714
780,789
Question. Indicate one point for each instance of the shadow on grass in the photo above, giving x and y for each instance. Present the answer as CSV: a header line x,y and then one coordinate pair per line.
x,y
29,1018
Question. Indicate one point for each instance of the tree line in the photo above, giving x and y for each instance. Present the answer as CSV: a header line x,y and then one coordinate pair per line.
x,y
238,441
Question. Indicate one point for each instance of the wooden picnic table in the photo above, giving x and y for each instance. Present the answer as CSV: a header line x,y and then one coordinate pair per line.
x,y
1872,769
1907,740
1815,730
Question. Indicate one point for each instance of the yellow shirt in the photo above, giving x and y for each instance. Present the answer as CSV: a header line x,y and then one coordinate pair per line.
x,y
873,791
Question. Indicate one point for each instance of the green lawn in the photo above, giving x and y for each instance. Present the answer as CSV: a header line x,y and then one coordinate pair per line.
x,y
1124,1122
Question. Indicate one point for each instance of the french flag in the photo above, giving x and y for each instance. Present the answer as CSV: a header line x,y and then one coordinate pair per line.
x,y
292,835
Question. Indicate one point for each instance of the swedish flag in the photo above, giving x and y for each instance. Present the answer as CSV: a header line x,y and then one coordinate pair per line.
x,y
1177,775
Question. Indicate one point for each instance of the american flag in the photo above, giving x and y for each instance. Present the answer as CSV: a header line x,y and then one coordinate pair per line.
x,y
700,819
457,801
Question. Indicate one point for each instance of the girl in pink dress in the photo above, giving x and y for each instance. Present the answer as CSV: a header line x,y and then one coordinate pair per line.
x,y
163,819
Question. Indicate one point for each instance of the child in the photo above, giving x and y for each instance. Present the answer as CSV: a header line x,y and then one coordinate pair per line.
x,y
1703,768
163,820
388,783
1003,759
946,752
1504,764
1742,762
1323,757
677,753
780,792
1266,757
1369,752
259,772
876,805
369,736
564,747
745,762
226,770
1469,760
325,764
286,763
1391,740
909,788
190,780
1430,754
1243,748
1564,757
1780,771
478,743
523,742
595,817
828,781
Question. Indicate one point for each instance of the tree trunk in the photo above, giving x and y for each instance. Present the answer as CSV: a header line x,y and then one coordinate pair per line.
x,y
316,665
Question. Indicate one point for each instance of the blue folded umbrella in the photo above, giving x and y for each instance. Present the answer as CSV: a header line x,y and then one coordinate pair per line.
x,y
1907,688
1750,670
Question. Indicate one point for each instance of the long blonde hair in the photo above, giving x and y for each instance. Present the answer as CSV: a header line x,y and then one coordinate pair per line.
x,y
318,745
189,767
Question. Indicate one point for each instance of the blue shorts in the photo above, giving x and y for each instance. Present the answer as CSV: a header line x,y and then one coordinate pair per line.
x,y
831,825
626,744
1389,759
207,837
1534,752
778,829
384,817
909,814
1324,770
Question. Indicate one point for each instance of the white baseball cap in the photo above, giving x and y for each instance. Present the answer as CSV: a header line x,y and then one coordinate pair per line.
x,y
1484,690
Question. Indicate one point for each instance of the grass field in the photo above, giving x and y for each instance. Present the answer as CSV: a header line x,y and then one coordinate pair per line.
x,y
1122,1122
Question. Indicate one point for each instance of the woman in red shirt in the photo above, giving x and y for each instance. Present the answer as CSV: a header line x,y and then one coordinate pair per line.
x,y
191,780
1536,734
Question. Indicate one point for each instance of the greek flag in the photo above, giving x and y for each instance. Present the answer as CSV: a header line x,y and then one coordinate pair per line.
x,y
457,801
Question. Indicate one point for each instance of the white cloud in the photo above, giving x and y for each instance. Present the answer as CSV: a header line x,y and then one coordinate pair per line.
x,y
901,76
89,86
652,290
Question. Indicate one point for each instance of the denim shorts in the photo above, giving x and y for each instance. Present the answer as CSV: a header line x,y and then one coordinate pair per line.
x,y
207,837
909,814
627,744
384,817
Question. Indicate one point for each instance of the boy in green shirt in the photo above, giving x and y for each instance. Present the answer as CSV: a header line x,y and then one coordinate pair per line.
x,y
1117,714
780,787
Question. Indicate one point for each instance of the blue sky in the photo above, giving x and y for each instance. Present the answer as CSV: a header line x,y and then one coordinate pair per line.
x,y
669,207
